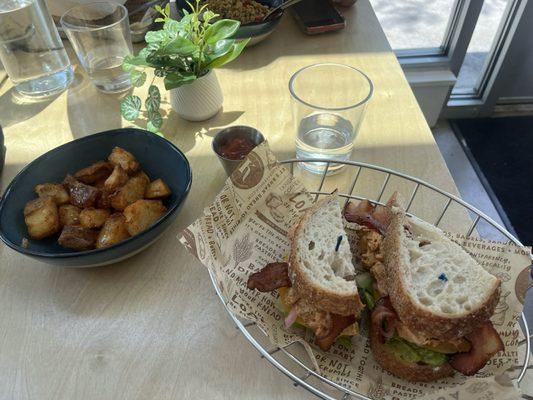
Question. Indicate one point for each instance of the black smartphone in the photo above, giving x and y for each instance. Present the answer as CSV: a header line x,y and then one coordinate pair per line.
x,y
317,16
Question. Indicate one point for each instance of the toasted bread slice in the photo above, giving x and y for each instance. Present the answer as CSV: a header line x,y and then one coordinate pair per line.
x,y
413,372
435,286
321,275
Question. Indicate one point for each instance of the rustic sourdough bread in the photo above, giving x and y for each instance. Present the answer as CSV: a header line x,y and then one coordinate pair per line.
x,y
435,286
320,275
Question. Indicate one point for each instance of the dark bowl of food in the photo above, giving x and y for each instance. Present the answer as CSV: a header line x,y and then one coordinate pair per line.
x,y
96,200
249,13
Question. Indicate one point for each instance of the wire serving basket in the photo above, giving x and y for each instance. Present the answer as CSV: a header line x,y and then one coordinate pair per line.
x,y
292,360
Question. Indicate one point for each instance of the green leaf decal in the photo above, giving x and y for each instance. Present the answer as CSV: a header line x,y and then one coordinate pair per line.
x,y
130,107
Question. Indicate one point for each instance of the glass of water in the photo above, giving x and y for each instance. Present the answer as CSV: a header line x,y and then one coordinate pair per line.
x,y
100,35
328,103
31,50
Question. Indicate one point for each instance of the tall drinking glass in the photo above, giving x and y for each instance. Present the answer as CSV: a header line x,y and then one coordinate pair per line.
x,y
31,49
100,35
328,104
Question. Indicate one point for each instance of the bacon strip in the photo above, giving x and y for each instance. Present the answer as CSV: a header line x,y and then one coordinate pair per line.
x,y
366,214
485,342
272,276
384,318
338,324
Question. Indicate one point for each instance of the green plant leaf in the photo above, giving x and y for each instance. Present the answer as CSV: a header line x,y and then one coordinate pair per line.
x,y
172,26
219,49
156,36
152,47
153,101
131,61
178,46
222,29
144,52
156,61
229,56
154,118
137,78
174,80
130,107
208,16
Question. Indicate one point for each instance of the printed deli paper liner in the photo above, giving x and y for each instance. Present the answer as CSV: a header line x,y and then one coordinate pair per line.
x,y
246,228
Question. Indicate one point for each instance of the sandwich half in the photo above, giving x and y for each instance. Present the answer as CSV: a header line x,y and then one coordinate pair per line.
x,y
431,301
316,286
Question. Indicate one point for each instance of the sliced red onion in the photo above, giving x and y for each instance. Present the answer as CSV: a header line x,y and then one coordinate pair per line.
x,y
385,320
291,317
387,327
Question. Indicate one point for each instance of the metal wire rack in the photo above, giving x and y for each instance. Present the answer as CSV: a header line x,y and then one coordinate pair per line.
x,y
292,360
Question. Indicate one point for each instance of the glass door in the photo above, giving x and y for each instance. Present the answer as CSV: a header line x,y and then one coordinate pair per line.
x,y
467,37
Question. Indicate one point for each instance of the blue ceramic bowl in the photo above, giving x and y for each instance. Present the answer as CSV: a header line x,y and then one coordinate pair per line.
x,y
159,159
256,31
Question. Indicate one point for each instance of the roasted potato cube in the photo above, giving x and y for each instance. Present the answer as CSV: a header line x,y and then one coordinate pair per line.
x,y
41,217
125,159
94,173
118,178
93,217
157,189
132,191
103,200
54,190
77,238
69,215
81,195
142,214
113,231
99,184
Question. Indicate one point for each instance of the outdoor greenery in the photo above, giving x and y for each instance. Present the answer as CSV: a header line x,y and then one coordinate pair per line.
x,y
181,52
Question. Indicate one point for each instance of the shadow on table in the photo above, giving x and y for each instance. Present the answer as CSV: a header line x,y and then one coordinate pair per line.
x,y
132,283
91,111
15,108
174,127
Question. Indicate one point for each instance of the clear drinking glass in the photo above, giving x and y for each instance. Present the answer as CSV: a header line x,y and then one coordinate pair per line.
x,y
100,35
31,49
328,104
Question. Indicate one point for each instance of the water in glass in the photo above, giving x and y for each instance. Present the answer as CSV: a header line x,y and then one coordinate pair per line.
x,y
328,104
31,50
105,69
100,35
324,135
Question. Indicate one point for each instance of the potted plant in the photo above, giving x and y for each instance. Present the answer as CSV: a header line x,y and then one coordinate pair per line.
x,y
183,53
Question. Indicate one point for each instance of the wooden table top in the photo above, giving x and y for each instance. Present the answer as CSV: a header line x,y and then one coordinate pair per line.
x,y
152,327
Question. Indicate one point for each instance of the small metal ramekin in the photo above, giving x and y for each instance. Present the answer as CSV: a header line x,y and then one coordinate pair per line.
x,y
238,131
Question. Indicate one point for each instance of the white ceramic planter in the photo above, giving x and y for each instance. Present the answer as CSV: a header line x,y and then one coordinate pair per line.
x,y
199,100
